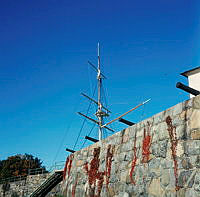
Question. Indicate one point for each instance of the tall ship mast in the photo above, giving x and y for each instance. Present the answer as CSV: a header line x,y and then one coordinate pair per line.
x,y
100,113
101,110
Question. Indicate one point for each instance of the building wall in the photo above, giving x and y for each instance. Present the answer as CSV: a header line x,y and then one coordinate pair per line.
x,y
194,82
158,157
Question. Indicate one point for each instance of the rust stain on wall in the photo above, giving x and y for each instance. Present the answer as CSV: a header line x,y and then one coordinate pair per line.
x,y
74,187
67,170
94,175
173,139
146,144
109,156
68,166
134,160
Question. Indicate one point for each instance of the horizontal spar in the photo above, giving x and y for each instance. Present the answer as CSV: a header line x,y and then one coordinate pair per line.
x,y
70,150
96,69
94,101
94,121
126,113
91,139
129,123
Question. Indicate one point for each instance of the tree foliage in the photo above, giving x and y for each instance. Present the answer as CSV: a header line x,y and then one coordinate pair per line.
x,y
18,165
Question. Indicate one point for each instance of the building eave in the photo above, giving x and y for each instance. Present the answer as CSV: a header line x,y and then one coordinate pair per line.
x,y
191,72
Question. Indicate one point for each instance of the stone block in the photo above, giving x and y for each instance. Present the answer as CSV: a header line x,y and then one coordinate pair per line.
x,y
154,173
171,185
190,192
114,178
177,120
155,188
117,150
125,194
186,164
112,140
177,109
179,149
165,178
79,163
155,163
187,104
158,118
140,125
129,156
123,176
139,142
197,161
122,132
181,132
132,131
186,114
128,146
124,165
121,157
194,120
181,193
110,192
168,112
186,179
196,102
162,130
155,133
195,134
197,182
125,138
140,132
192,147
183,115
159,149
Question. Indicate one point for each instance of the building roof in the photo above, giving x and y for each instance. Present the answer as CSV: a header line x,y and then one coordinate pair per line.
x,y
191,72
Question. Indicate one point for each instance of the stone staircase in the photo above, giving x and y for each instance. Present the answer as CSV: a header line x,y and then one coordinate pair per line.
x,y
48,185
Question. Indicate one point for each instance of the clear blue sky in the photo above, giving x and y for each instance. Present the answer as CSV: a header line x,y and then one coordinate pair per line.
x,y
44,49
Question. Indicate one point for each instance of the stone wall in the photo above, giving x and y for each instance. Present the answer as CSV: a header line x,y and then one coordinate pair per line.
x,y
26,187
158,157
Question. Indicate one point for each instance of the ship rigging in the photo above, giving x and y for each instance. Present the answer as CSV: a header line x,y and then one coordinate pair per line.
x,y
102,111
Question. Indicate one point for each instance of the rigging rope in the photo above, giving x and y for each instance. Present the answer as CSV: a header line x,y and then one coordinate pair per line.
x,y
143,113
83,121
104,94
65,134
88,135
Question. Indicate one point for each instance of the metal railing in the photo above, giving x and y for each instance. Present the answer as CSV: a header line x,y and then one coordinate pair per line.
x,y
13,179
56,166
37,171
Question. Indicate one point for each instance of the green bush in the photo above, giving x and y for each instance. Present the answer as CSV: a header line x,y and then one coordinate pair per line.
x,y
18,165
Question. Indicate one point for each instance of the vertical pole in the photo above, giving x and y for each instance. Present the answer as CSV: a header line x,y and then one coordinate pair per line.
x,y
99,96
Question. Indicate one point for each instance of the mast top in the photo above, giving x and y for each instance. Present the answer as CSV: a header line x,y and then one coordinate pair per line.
x,y
98,49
